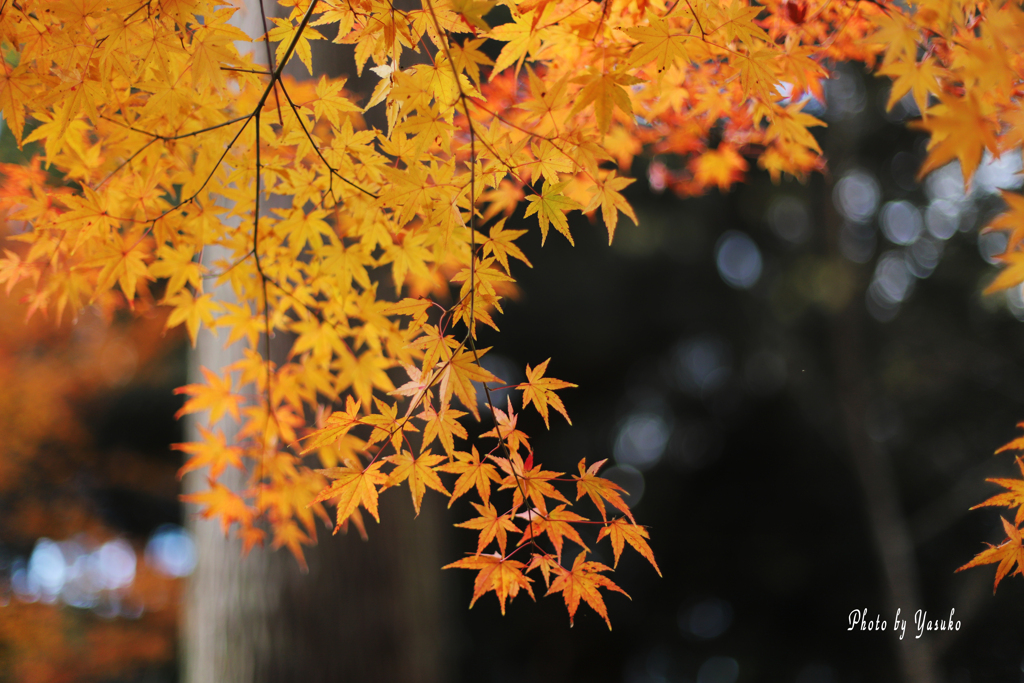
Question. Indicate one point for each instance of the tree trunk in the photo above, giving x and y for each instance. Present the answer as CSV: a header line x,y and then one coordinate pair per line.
x,y
366,611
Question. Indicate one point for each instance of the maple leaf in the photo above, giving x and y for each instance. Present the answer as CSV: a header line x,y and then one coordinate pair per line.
x,y
211,46
520,36
17,87
551,206
500,243
337,425
221,502
611,201
193,311
285,34
329,101
504,577
364,374
419,472
215,396
468,57
436,346
417,308
290,535
443,425
584,581
557,524
1008,553
919,78
547,564
353,486
620,532
505,430
387,424
657,41
473,12
1012,221
1012,498
606,92
417,387
122,261
898,35
540,391
722,167
599,489
757,74
213,452
1010,276
459,374
959,130
528,482
491,526
472,473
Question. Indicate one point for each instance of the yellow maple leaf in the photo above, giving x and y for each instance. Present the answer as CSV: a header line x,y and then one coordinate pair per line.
x,y
352,486
540,391
551,206
611,201
419,472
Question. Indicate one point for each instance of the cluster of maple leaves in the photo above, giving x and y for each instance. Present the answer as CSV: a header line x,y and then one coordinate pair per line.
x,y
379,250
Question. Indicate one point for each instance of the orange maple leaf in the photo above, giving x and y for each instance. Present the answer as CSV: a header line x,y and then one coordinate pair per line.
x,y
504,577
557,524
621,532
290,535
584,581
491,526
599,489
213,451
528,482
222,502
959,130
214,396
1007,554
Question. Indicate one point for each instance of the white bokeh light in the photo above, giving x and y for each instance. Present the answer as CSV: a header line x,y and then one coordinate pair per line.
x,y
115,564
901,222
856,196
738,260
171,551
641,439
893,277
995,174
47,569
942,218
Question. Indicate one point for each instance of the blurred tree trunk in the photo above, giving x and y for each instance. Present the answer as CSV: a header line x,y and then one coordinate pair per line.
x,y
889,527
366,611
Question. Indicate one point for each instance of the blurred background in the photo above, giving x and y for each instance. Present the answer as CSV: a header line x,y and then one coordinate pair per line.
x,y
801,385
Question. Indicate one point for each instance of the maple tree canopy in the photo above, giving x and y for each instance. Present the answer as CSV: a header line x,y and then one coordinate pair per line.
x,y
385,249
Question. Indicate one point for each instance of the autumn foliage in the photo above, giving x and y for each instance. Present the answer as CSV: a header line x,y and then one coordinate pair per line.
x,y
53,377
376,253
